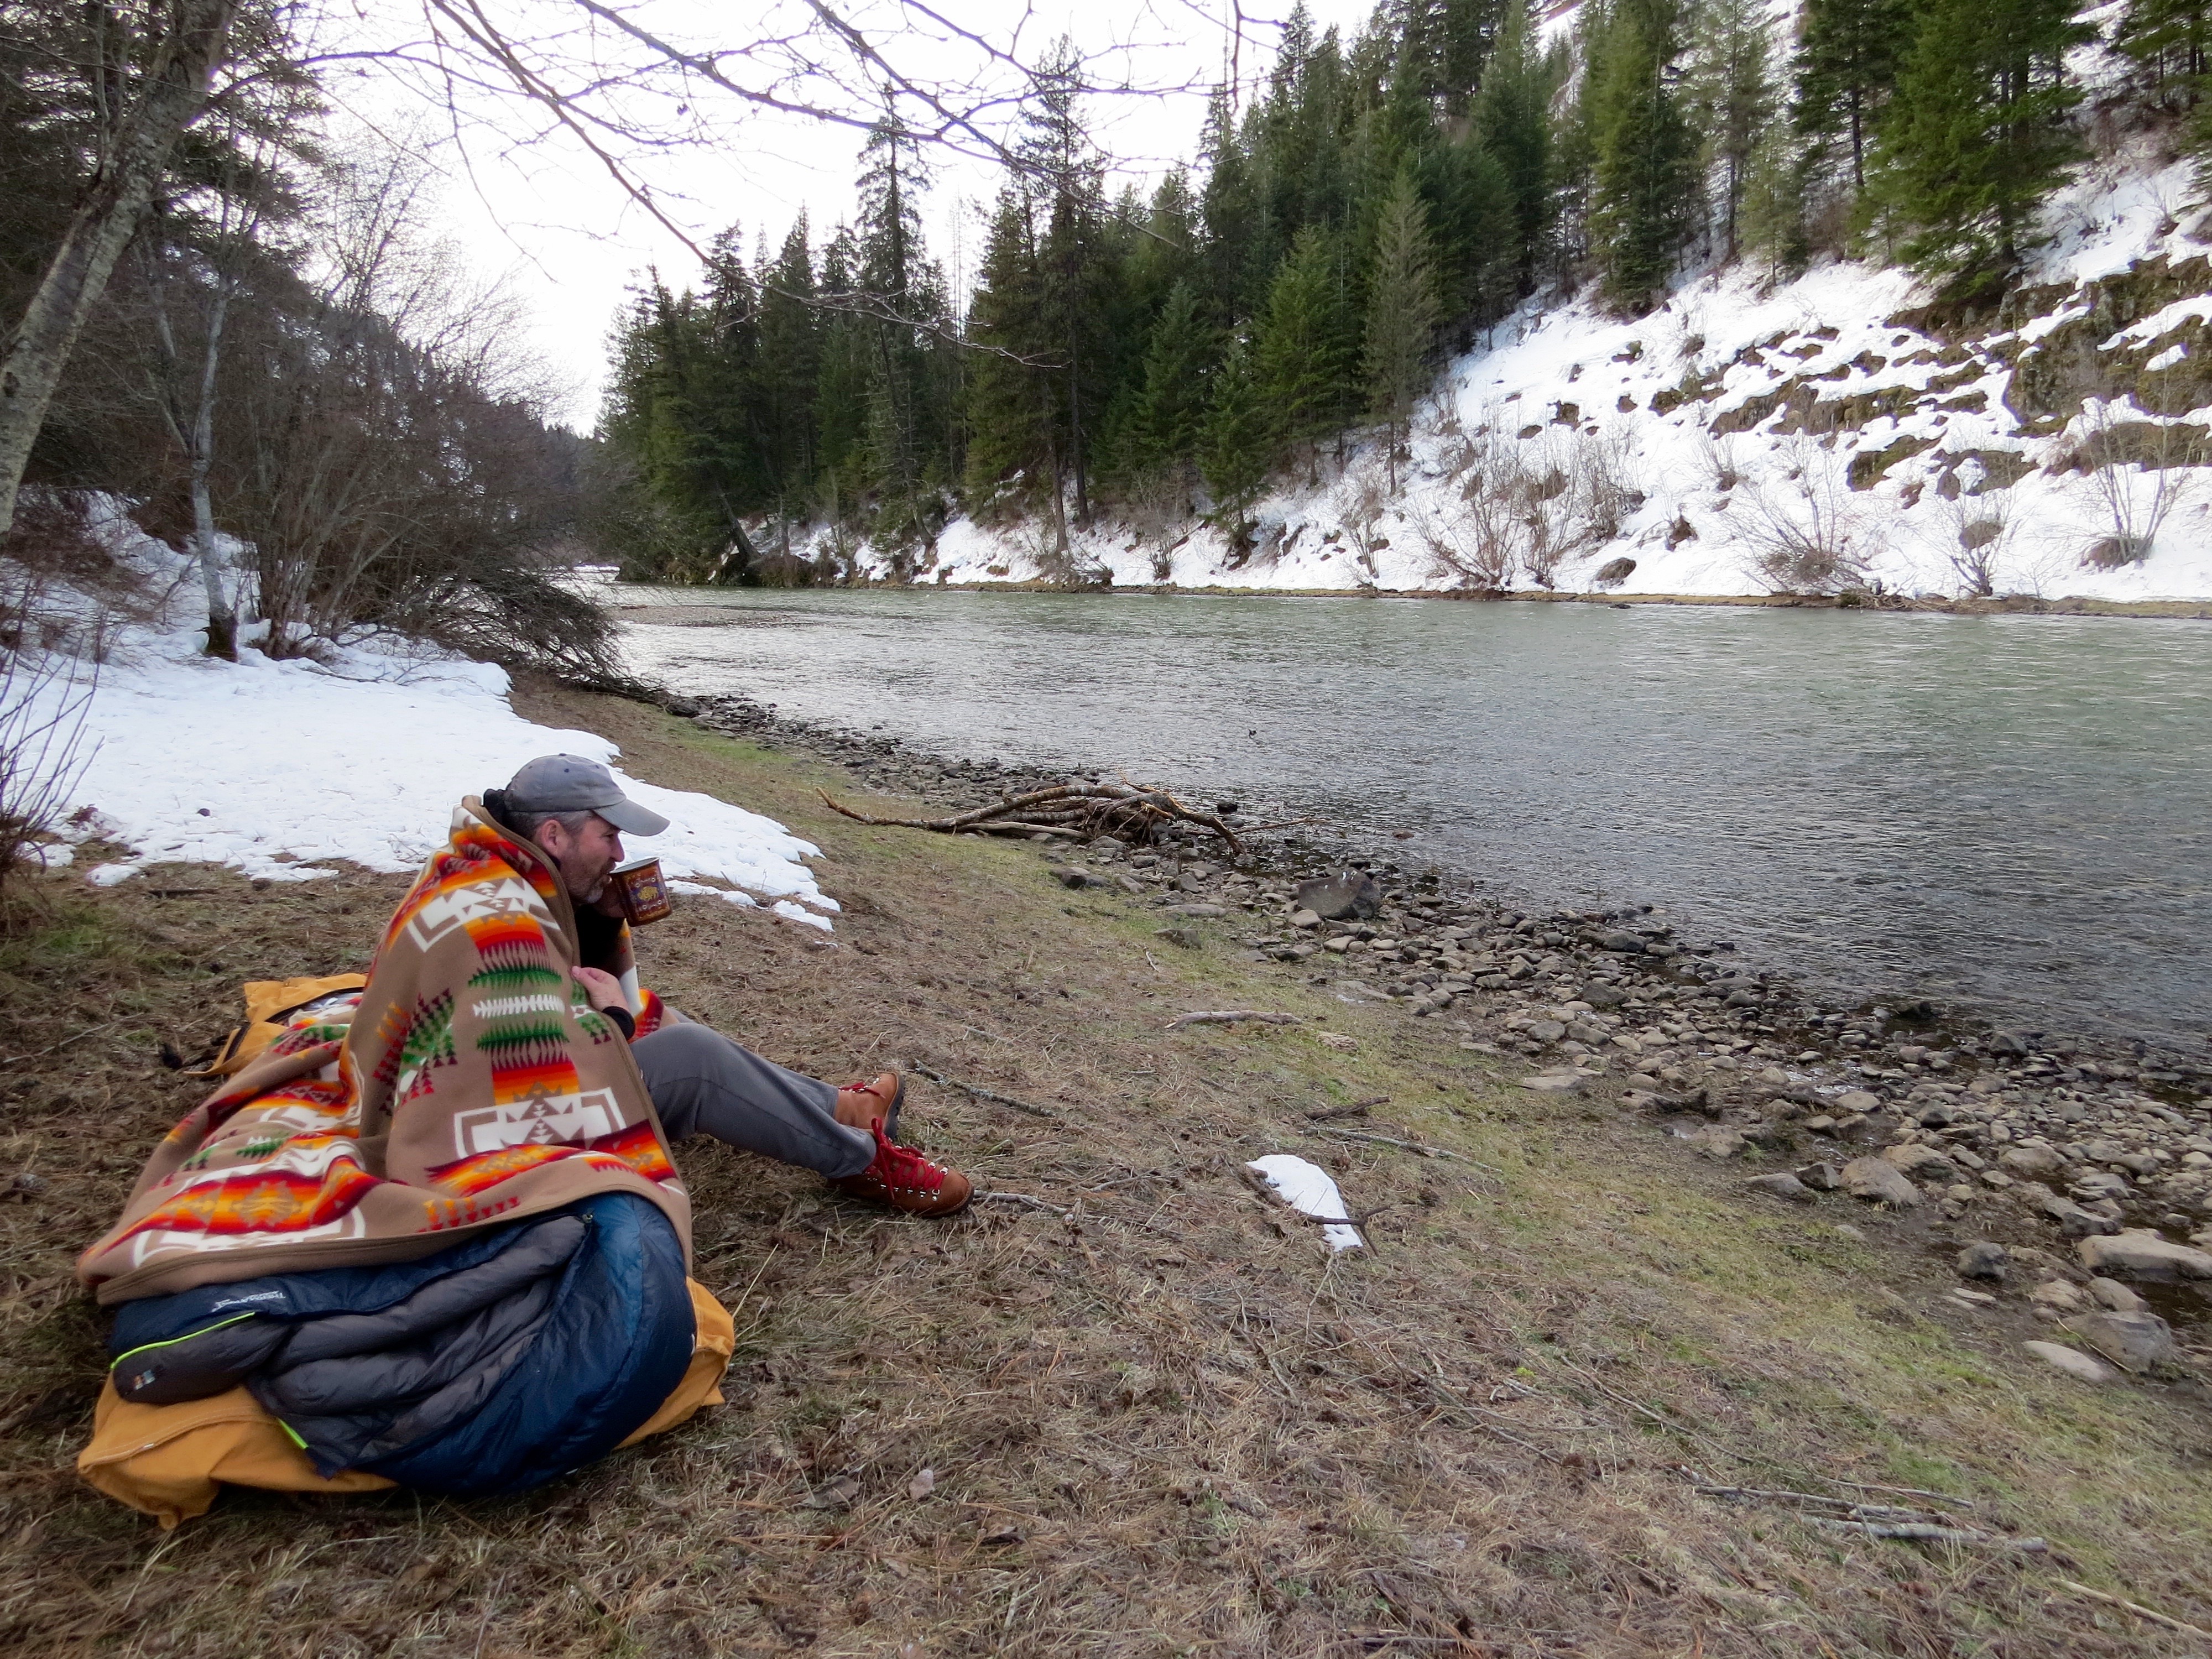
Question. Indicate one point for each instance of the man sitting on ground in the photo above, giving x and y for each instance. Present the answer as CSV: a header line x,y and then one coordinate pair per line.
x,y
700,1082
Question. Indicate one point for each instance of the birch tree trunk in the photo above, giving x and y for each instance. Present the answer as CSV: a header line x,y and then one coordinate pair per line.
x,y
222,618
170,96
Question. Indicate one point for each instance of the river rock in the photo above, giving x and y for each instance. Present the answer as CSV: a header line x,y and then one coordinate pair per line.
x,y
2072,1361
1879,1181
1303,918
1197,910
1820,1178
1069,875
1625,944
1983,1260
1187,938
1599,994
1547,1031
2133,1341
1782,1186
1556,1083
1855,1100
2059,1295
1346,893
2111,1294
2143,1256
1921,1161
2073,1220
2032,1161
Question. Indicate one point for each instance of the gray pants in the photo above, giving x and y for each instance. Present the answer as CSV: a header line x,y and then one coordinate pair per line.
x,y
702,1083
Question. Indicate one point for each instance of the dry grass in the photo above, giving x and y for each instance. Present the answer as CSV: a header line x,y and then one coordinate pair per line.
x,y
1162,1422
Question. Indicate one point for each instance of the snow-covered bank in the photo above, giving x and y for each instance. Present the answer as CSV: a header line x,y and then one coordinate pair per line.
x,y
1826,433
271,767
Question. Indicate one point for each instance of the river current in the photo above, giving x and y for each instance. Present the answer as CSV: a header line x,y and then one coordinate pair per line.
x,y
2008,814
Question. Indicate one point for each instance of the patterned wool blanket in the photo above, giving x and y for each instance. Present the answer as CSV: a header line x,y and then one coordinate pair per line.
x,y
472,1085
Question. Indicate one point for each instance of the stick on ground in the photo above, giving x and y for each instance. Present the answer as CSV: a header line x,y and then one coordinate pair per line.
x,y
2136,1608
991,1094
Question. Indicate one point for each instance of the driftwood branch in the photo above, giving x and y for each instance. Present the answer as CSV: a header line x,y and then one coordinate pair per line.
x,y
1129,811
1232,1017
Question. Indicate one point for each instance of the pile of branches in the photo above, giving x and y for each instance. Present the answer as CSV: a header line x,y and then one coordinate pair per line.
x,y
1127,811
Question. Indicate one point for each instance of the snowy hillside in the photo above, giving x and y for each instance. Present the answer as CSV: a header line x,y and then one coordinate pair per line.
x,y
1830,433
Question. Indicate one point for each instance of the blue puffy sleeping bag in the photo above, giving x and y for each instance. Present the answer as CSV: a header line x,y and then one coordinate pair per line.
x,y
504,1361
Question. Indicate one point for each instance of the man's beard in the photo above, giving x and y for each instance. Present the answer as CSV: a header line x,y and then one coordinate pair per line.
x,y
597,891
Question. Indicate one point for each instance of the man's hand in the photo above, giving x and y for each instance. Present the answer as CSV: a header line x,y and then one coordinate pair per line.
x,y
602,988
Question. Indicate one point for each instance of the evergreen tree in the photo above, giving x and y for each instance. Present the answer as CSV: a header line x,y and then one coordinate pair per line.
x,y
1644,191
1975,136
1305,349
1733,96
1512,120
1471,228
1077,277
1049,298
1164,420
1009,428
2172,39
1846,68
900,305
841,398
1228,210
790,374
1468,32
1239,447
1772,218
1402,314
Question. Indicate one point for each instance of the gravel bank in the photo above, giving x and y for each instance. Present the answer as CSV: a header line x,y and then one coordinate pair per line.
x,y
1990,1133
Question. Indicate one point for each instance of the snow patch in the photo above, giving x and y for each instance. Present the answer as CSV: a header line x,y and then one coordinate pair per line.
x,y
1308,1189
271,767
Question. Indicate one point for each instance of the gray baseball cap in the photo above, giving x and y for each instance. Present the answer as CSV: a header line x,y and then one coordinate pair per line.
x,y
569,783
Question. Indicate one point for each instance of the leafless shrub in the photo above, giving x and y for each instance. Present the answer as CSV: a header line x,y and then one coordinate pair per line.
x,y
391,471
1525,506
45,696
1977,536
52,537
1157,505
1718,456
1805,537
1362,500
2138,471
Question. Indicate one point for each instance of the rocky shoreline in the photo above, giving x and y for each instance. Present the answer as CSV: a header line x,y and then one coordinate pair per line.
x,y
1991,1135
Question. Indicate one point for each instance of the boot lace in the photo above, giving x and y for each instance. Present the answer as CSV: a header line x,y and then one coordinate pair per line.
x,y
903,1167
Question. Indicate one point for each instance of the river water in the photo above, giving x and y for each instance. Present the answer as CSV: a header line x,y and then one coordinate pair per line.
x,y
2008,813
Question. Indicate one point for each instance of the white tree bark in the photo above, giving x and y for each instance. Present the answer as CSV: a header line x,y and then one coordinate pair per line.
x,y
222,618
171,92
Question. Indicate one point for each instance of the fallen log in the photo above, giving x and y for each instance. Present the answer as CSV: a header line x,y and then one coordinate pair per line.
x,y
1127,811
1232,1017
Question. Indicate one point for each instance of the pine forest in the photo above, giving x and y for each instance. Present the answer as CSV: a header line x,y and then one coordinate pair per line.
x,y
1380,205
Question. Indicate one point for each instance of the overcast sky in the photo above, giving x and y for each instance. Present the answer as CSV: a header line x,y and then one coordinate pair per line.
x,y
545,210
